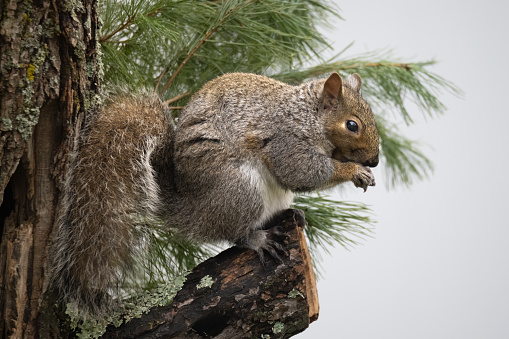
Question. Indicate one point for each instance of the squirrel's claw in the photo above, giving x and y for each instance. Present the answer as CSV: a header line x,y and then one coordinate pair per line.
x,y
267,240
364,178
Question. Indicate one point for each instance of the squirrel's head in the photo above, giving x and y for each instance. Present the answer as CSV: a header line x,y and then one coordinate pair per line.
x,y
349,121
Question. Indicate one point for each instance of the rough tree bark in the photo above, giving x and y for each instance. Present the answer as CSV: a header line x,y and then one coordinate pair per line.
x,y
49,79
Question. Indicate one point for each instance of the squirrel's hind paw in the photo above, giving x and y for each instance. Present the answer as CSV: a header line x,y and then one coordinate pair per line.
x,y
267,240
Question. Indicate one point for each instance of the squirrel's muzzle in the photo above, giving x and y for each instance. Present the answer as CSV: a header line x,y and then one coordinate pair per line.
x,y
372,162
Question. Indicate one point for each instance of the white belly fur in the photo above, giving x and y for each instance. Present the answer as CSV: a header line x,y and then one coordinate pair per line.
x,y
275,198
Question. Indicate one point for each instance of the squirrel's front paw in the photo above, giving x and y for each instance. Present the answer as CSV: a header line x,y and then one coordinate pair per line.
x,y
363,178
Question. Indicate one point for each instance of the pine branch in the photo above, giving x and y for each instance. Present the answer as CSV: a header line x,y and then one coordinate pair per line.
x,y
128,23
387,84
406,66
207,35
254,37
177,98
296,77
189,55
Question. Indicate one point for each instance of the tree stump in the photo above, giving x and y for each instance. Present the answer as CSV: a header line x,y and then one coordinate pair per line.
x,y
234,295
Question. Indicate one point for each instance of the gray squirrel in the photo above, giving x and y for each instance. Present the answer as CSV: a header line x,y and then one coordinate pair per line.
x,y
242,146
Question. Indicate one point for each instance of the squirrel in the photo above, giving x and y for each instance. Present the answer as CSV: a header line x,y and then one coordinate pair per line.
x,y
243,145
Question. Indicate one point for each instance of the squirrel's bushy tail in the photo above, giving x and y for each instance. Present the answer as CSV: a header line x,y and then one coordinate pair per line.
x,y
110,191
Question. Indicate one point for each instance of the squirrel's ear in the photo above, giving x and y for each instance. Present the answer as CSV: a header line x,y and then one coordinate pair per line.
x,y
333,86
355,82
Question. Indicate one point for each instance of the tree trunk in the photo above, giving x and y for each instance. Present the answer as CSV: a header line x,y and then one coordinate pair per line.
x,y
49,79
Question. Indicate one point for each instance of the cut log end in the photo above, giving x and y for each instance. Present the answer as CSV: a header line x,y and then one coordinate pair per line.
x,y
233,295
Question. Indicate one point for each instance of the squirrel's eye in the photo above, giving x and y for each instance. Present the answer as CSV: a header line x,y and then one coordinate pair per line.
x,y
352,126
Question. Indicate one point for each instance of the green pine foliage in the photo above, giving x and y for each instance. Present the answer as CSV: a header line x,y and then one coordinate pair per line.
x,y
333,222
176,46
172,47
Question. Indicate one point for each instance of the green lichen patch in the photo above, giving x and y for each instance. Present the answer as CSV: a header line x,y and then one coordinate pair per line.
x,y
26,121
30,116
90,327
80,50
6,124
294,293
278,327
206,281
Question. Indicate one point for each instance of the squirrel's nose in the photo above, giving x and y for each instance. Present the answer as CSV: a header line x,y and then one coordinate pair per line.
x,y
372,162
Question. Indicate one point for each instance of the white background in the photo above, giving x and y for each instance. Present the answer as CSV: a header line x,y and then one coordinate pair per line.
x,y
438,265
